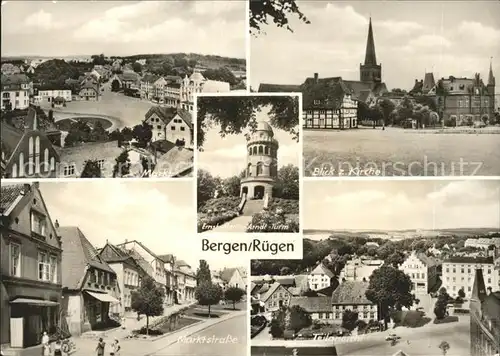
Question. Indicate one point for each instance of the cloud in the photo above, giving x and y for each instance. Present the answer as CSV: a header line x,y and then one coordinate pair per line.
x,y
400,27
42,20
127,12
478,34
214,8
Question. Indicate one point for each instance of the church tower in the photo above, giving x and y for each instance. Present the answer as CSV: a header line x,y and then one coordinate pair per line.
x,y
370,71
262,163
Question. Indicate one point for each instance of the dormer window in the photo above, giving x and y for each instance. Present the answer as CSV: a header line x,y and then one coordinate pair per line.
x,y
317,102
38,223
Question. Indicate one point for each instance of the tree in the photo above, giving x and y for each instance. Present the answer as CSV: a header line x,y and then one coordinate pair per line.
x,y
396,259
148,299
143,134
98,59
137,67
222,74
98,133
389,288
441,303
349,319
203,273
287,184
122,165
115,85
298,318
234,294
277,326
51,116
444,346
91,170
206,186
277,10
208,294
461,293
231,186
235,114
386,108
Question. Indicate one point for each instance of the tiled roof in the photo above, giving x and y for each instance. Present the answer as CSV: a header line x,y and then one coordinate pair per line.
x,y
10,193
181,263
175,161
285,280
149,78
350,292
227,274
279,88
173,78
90,150
295,291
168,113
90,85
129,76
117,254
321,269
270,291
426,260
168,258
10,137
264,288
313,304
78,252
328,91
467,259
174,85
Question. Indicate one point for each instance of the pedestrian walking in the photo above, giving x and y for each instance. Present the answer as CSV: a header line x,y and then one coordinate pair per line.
x,y
58,348
115,348
100,347
45,344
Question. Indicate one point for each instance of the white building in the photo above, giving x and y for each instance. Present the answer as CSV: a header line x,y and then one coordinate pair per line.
x,y
234,277
351,295
15,91
319,278
422,271
459,272
46,96
359,269
170,124
483,242
197,83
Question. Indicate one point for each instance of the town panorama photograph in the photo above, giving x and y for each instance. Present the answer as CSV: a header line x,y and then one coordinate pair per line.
x,y
116,272
101,89
398,268
390,88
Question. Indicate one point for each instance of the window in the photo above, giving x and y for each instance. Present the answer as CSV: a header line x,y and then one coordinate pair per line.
x,y
183,128
38,224
53,269
15,260
43,267
69,170
158,127
172,128
100,163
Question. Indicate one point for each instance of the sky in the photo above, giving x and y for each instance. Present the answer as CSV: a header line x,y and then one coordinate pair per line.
x,y
447,38
67,28
399,205
161,215
226,157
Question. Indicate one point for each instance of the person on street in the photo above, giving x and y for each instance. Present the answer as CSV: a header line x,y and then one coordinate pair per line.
x,y
58,348
115,348
45,344
100,347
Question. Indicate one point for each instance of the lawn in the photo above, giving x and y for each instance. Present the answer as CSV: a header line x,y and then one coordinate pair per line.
x,y
226,307
202,312
398,152
183,322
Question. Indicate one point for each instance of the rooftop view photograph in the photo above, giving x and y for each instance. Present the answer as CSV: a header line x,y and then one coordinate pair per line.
x,y
389,268
112,94
117,270
248,163
389,88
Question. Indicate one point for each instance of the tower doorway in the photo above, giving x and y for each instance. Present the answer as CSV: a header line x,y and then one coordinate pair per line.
x,y
244,190
258,192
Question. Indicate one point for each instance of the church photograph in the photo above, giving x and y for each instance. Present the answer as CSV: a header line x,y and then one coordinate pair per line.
x,y
389,88
247,162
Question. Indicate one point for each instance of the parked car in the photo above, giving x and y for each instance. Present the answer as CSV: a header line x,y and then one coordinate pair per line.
x,y
392,337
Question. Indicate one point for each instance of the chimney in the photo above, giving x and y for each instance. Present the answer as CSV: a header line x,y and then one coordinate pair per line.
x,y
56,224
316,76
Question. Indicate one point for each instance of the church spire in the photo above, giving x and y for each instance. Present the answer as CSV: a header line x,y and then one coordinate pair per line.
x,y
370,57
491,78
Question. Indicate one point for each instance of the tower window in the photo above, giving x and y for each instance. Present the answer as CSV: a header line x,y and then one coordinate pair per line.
x,y
266,150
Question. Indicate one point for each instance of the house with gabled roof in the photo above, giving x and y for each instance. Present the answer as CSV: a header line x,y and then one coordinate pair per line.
x,y
27,151
172,290
234,277
319,308
170,124
423,271
351,295
147,86
275,297
186,282
128,274
320,277
30,271
90,285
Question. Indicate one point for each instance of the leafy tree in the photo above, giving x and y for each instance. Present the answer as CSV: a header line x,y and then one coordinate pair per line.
x,y
440,305
222,74
277,10
231,186
148,299
444,346
277,326
98,133
127,134
403,111
349,319
389,288
386,107
91,170
203,273
208,294
299,318
287,184
234,294
137,67
461,293
98,59
122,165
78,132
235,114
206,187
143,134
396,259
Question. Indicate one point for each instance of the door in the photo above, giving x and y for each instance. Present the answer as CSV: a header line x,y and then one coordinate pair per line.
x,y
16,332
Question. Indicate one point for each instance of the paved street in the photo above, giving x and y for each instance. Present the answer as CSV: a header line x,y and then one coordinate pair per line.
x,y
234,331
399,152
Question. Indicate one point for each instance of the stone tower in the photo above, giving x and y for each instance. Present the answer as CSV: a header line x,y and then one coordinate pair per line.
x,y
370,71
490,88
262,163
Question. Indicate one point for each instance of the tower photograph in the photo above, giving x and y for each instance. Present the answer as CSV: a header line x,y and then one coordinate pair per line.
x,y
248,157
399,89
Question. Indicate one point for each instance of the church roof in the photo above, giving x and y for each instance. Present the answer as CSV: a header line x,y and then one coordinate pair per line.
x,y
491,78
264,126
370,56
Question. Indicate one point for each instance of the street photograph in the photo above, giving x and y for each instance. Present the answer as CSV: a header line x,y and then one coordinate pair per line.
x,y
388,87
116,271
248,156
105,89
388,268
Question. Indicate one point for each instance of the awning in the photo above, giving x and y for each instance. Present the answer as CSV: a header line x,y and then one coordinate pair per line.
x,y
39,302
104,297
